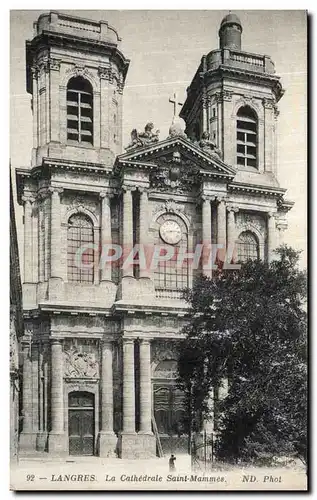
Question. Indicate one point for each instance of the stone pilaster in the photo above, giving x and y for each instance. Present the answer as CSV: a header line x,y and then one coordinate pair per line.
x,y
54,77
107,438
206,236
35,386
35,110
105,233
143,229
228,139
128,387
268,105
145,387
104,73
271,236
41,438
27,436
28,239
221,228
128,441
42,90
55,232
205,111
127,228
55,248
231,232
57,438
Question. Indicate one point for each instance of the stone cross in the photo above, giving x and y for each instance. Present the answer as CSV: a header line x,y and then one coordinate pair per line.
x,y
175,102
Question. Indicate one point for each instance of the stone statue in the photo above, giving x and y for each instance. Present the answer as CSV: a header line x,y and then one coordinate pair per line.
x,y
208,146
139,139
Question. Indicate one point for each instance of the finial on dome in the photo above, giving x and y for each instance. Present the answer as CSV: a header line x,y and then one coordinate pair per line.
x,y
230,32
177,128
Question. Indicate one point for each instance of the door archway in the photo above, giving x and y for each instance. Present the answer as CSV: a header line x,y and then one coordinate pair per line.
x,y
81,423
168,406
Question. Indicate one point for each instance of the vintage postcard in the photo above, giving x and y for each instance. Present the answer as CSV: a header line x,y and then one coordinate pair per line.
x,y
158,250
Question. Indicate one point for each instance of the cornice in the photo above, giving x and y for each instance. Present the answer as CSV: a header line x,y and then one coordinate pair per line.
x,y
48,39
56,309
202,78
48,165
145,310
137,165
285,205
220,169
256,189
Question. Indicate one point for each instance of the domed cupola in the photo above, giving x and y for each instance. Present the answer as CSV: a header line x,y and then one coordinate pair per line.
x,y
230,32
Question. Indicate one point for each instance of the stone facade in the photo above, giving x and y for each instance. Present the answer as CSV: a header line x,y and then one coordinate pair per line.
x,y
99,346
16,333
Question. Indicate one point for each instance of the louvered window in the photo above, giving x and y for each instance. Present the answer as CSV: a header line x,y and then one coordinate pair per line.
x,y
247,131
79,111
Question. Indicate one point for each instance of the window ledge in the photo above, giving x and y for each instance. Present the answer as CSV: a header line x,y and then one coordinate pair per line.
x,y
79,145
247,168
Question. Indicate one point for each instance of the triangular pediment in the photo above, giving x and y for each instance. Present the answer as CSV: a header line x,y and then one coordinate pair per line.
x,y
177,150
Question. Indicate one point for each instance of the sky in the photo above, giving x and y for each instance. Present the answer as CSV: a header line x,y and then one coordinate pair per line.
x,y
165,48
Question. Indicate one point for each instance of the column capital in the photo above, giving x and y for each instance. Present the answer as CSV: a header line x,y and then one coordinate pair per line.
x,y
143,190
26,341
105,73
54,64
145,341
28,198
272,215
35,71
224,95
205,100
42,194
55,189
120,84
106,342
221,199
207,197
281,226
232,208
128,340
268,103
106,194
55,341
125,188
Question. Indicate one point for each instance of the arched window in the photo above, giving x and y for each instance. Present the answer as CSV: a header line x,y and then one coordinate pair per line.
x,y
79,111
247,247
247,132
80,253
168,274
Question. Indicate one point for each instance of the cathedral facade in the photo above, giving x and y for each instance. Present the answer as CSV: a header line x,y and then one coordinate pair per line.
x,y
104,231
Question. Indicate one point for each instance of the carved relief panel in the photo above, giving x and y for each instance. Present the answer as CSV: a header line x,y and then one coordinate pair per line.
x,y
81,358
175,172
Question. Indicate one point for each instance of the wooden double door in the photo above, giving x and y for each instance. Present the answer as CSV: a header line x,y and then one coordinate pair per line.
x,y
170,417
81,423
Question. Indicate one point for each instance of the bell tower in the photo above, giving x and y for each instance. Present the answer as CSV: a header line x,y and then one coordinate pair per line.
x,y
233,97
75,74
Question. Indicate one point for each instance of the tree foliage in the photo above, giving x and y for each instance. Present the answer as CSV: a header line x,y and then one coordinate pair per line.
x,y
250,325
